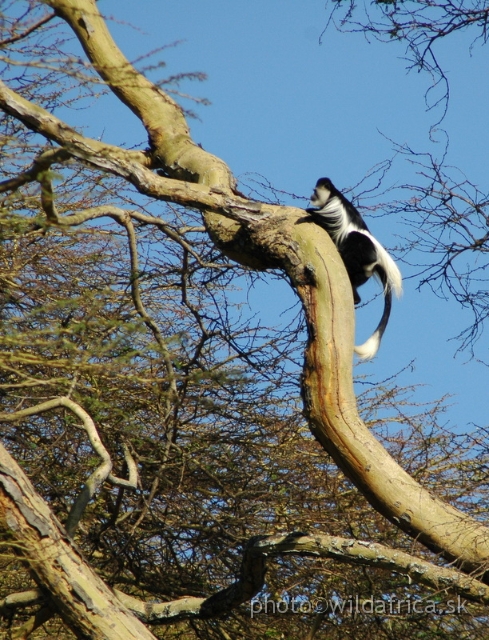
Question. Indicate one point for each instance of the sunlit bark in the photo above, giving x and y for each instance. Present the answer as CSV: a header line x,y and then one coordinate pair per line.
x,y
85,603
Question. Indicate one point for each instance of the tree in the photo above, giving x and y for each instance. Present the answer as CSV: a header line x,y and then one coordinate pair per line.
x,y
127,402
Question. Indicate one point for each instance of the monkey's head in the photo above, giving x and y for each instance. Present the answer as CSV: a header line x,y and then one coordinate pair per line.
x,y
323,191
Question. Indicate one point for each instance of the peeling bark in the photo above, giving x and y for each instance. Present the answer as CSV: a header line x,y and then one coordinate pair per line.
x,y
85,603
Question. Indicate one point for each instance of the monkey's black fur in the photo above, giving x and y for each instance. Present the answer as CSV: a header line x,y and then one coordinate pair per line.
x,y
362,254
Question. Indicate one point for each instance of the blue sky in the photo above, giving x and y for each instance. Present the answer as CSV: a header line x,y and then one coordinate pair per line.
x,y
292,110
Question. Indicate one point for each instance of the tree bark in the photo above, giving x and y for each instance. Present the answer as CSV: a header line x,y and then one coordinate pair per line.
x,y
87,606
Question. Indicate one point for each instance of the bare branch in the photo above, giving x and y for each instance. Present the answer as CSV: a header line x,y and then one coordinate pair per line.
x,y
28,31
330,405
21,599
162,118
98,477
377,555
133,481
38,119
345,550
258,235
41,164
420,25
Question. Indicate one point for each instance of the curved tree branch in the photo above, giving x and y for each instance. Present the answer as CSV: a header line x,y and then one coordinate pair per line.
x,y
251,578
263,236
331,408
97,477
162,118
345,550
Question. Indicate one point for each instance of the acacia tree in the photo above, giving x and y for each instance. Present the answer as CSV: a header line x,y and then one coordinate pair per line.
x,y
91,335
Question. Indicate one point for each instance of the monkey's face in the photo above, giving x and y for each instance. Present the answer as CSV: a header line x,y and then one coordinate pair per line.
x,y
320,196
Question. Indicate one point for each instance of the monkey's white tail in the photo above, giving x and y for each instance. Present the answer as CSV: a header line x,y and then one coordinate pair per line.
x,y
393,277
368,349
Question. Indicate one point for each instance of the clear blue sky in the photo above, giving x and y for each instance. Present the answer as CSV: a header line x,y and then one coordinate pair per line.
x,y
293,110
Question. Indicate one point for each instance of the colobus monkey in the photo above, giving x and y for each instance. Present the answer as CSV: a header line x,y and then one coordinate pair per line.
x,y
362,254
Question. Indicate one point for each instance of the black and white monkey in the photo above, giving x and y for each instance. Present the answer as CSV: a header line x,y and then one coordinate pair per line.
x,y
362,254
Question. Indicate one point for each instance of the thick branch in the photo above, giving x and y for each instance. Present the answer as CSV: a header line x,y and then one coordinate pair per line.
x,y
86,604
162,118
305,252
252,575
367,554
130,165
22,599
250,580
332,411
38,119
372,554
269,236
